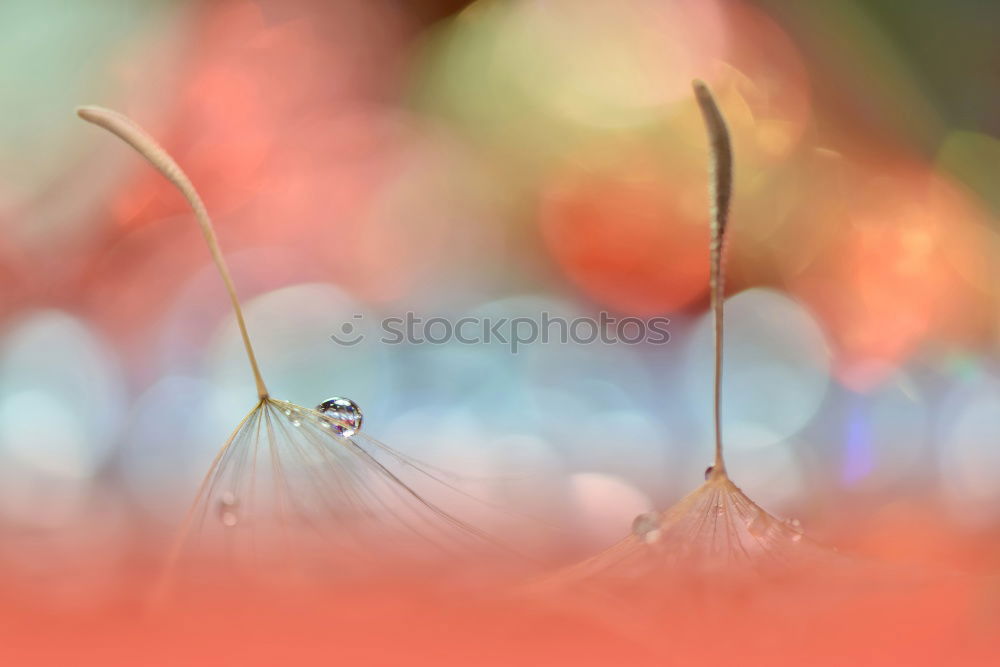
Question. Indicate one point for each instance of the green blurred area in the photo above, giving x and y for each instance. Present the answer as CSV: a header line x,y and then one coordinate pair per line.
x,y
925,71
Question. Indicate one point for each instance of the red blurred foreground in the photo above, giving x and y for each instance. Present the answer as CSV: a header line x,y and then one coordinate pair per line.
x,y
798,617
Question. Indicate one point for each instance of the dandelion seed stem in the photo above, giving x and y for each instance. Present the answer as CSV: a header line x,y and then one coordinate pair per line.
x,y
720,193
129,132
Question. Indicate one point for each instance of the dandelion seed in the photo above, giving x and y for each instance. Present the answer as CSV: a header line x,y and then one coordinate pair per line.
x,y
726,578
293,482
717,526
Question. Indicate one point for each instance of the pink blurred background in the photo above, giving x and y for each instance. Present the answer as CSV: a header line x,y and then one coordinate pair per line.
x,y
505,159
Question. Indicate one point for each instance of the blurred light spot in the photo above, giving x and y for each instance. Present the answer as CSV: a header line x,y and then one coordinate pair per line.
x,y
606,62
68,54
769,473
626,444
291,330
557,358
905,260
175,429
858,458
60,396
628,235
34,429
970,452
60,407
536,80
764,87
884,434
434,227
605,507
776,369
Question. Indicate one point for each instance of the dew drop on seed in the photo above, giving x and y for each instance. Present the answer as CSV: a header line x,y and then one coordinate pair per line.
x,y
647,527
796,527
343,415
227,509
759,524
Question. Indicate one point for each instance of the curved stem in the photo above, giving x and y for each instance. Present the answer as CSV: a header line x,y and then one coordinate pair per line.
x,y
129,132
720,193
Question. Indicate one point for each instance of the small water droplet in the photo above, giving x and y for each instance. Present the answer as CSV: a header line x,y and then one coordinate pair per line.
x,y
708,471
759,524
343,415
296,422
227,509
720,509
647,527
796,527
288,412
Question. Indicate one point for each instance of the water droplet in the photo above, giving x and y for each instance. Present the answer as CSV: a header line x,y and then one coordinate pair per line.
x,y
343,415
759,524
296,422
796,527
708,471
647,527
227,509
720,509
288,412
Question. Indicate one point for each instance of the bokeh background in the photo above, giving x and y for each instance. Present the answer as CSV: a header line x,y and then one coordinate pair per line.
x,y
502,159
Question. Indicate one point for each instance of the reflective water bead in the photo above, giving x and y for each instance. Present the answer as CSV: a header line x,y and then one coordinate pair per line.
x,y
647,527
796,526
760,524
344,415
227,509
